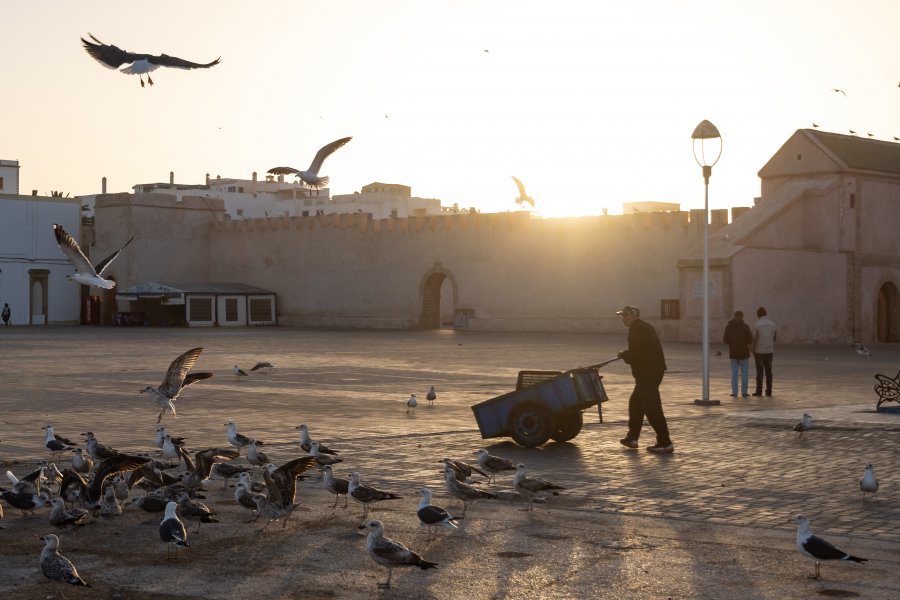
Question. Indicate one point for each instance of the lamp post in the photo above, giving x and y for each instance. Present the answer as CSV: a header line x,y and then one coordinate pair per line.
x,y
706,133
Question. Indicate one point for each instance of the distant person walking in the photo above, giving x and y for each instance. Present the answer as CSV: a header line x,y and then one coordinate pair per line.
x,y
648,364
764,335
739,339
5,314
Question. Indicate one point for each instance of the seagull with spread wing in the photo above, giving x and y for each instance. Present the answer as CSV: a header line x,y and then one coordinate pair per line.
x,y
113,57
523,197
310,177
176,379
85,272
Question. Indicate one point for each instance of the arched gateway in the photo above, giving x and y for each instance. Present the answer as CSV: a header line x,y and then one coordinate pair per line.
x,y
430,293
888,317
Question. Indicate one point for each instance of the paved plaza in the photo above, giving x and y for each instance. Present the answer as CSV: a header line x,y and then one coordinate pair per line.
x,y
711,520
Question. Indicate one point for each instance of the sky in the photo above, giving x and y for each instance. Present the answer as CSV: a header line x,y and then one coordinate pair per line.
x,y
590,104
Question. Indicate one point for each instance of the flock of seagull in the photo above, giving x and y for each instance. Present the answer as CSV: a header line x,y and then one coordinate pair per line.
x,y
99,480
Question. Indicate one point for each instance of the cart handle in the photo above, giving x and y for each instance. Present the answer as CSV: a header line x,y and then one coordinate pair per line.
x,y
604,363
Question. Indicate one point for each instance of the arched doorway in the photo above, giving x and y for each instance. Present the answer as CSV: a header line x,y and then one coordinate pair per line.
x,y
438,301
888,317
37,296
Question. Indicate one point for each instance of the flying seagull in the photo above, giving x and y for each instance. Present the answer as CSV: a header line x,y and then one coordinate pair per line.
x,y
113,57
816,549
523,197
839,91
85,272
389,553
868,483
310,177
176,379
804,425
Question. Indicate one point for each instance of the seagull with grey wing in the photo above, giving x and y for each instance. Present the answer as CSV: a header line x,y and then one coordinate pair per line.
x,y
868,483
310,177
804,425
389,553
85,272
177,378
533,487
523,197
493,464
113,57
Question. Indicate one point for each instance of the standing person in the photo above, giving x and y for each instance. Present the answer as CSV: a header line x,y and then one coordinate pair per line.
x,y
648,364
764,335
739,339
5,314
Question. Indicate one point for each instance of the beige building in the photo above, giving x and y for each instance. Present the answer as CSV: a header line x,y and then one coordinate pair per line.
x,y
818,250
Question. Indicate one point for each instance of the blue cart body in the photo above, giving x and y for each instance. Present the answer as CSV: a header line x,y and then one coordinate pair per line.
x,y
561,394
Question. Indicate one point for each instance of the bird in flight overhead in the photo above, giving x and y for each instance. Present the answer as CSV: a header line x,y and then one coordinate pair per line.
x,y
523,197
113,57
85,272
310,177
839,91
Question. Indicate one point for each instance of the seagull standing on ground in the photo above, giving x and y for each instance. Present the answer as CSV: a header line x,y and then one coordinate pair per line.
x,y
816,549
239,372
365,494
411,404
463,491
431,396
335,485
310,177
434,516
139,64
81,463
389,553
54,445
238,440
306,442
56,567
804,425
493,464
177,378
860,349
533,487
868,483
85,272
171,529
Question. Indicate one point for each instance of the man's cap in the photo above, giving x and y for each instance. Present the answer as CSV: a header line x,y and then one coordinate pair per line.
x,y
630,310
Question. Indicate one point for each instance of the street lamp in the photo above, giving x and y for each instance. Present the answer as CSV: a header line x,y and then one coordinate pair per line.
x,y
706,133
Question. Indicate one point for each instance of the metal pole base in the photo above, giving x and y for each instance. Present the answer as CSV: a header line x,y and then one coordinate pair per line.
x,y
701,402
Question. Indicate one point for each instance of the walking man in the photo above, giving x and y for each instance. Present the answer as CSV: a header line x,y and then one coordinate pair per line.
x,y
648,364
764,335
5,314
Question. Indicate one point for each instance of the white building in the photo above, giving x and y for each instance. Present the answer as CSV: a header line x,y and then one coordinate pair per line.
x,y
274,197
33,270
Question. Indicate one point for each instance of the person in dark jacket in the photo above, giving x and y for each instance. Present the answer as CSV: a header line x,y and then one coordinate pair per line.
x,y
739,339
648,364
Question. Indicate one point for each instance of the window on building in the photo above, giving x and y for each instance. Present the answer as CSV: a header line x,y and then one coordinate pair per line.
x,y
231,309
261,309
240,212
1,183
241,189
670,310
232,188
201,309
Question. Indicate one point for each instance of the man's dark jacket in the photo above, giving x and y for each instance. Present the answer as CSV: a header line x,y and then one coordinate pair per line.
x,y
645,353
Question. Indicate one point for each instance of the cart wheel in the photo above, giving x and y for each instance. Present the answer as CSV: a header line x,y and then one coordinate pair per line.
x,y
567,426
530,424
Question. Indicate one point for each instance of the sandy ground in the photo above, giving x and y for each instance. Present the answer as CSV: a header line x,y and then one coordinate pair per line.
x,y
599,539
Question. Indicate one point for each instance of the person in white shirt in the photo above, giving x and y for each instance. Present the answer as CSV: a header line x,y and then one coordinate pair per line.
x,y
764,335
